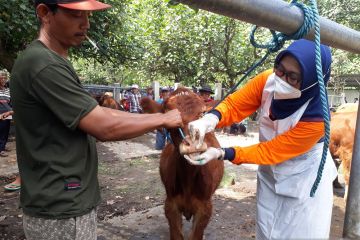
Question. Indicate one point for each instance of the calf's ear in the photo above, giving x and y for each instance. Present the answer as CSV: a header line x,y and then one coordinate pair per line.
x,y
150,106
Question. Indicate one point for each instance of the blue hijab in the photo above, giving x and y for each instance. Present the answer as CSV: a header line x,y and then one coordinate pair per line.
x,y
304,52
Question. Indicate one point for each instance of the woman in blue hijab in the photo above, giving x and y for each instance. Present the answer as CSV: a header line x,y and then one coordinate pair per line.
x,y
291,131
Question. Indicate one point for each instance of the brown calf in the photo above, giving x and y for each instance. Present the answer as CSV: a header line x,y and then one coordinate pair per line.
x,y
188,188
109,102
342,133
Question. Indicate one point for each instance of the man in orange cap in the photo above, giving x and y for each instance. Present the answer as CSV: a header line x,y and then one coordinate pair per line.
x,y
57,122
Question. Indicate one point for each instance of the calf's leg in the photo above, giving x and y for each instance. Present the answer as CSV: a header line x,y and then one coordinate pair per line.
x,y
336,183
346,159
174,218
201,219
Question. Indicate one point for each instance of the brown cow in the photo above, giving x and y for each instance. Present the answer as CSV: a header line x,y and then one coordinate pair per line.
x,y
188,188
342,133
109,102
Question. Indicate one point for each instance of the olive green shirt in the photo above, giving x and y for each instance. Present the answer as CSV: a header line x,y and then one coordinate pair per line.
x,y
57,160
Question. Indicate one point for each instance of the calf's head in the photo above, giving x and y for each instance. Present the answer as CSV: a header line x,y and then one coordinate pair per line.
x,y
191,107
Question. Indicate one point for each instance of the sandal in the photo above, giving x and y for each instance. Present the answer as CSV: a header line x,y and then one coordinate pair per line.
x,y
12,187
3,154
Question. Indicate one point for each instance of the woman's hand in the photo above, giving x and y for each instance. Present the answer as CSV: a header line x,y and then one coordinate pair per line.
x,y
200,127
210,154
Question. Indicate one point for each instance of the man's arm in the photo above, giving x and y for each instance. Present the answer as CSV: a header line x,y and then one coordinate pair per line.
x,y
111,125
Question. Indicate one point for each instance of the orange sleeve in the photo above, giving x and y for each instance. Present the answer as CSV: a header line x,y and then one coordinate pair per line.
x,y
243,102
285,146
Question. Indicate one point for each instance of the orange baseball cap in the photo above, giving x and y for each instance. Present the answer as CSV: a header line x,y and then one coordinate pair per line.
x,y
85,5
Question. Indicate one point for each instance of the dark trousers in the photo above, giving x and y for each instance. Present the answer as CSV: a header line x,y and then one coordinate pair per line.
x,y
4,133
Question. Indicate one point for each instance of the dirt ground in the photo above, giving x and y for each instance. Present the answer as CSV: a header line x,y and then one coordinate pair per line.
x,y
132,193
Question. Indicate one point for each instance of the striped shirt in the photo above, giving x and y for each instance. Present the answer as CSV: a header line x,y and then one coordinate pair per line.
x,y
134,101
5,100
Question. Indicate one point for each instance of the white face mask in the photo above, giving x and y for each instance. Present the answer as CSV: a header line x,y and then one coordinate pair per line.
x,y
283,90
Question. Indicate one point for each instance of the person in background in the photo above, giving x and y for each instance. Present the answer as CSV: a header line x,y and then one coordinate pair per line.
x,y
124,105
150,93
161,134
5,122
164,94
194,89
133,98
16,184
291,138
5,113
356,100
57,124
205,93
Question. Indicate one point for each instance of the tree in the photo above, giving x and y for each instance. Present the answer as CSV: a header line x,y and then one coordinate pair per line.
x,y
189,46
348,14
17,29
145,40
19,26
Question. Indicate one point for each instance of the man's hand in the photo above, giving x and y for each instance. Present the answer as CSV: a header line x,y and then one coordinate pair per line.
x,y
6,114
210,154
200,127
172,119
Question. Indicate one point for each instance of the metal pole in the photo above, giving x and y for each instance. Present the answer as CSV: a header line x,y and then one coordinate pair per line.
x,y
278,15
352,213
117,92
177,85
156,87
218,91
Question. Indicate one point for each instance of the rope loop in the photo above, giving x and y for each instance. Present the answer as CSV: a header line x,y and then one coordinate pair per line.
x,y
278,39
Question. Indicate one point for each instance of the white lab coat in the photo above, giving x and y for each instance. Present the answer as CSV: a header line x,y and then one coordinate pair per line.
x,y
285,209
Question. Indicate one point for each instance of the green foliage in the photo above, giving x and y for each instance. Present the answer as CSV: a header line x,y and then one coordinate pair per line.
x,y
17,28
18,24
346,13
145,40
187,46
111,34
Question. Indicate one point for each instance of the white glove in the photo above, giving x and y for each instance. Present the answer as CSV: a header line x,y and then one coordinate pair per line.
x,y
210,154
200,127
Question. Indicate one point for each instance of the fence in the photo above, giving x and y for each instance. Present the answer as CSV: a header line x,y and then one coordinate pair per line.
x,y
117,91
